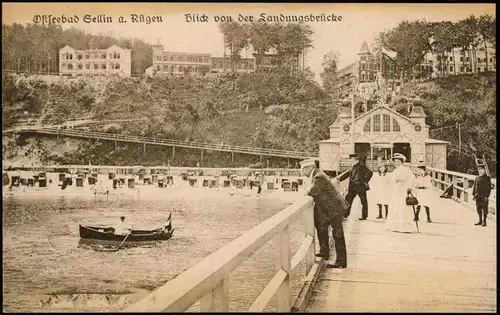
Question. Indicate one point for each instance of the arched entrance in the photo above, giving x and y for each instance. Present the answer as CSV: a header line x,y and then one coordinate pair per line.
x,y
403,148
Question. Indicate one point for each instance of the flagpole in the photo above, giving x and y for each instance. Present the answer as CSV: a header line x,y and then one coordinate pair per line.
x,y
352,121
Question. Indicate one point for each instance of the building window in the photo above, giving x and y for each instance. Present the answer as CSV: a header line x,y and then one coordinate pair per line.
x,y
190,58
70,66
461,69
467,59
491,59
376,123
461,59
87,66
117,66
206,59
451,68
165,58
103,66
478,59
80,66
478,69
79,56
367,125
451,58
182,58
96,66
165,67
395,126
387,123
103,56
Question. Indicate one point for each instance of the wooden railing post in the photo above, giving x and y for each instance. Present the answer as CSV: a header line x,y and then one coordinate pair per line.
x,y
454,182
217,299
309,230
284,292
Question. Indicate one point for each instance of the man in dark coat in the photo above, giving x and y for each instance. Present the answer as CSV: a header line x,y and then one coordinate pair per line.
x,y
329,206
481,193
359,176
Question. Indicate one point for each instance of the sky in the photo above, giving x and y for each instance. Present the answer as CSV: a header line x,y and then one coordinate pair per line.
x,y
360,22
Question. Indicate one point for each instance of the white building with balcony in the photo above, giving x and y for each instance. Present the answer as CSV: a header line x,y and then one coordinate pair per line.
x,y
172,63
113,61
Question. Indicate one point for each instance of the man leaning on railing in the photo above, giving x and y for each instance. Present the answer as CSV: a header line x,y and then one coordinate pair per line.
x,y
329,207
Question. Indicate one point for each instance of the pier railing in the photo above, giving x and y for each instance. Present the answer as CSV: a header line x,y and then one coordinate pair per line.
x,y
208,281
462,186
170,142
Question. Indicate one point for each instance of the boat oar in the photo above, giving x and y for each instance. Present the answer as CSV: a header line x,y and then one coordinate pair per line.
x,y
119,246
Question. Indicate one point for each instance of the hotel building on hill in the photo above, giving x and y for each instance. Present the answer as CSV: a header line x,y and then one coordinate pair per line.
x,y
176,63
223,64
362,76
113,61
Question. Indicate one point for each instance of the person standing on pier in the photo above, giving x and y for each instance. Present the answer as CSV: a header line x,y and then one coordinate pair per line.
x,y
402,181
481,193
423,192
329,207
359,176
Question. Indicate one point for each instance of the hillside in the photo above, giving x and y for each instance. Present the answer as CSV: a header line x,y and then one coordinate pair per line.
x,y
192,108
468,100
183,108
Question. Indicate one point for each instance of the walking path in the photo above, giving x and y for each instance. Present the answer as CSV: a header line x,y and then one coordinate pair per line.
x,y
449,267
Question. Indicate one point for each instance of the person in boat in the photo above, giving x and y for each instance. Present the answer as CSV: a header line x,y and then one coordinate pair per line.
x,y
121,228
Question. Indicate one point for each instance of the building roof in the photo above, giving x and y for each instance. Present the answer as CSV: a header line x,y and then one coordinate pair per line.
x,y
329,141
336,123
379,107
364,48
428,140
94,49
436,141
158,44
417,112
67,46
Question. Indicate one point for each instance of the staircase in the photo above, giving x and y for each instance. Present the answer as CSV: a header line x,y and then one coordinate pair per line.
x,y
482,161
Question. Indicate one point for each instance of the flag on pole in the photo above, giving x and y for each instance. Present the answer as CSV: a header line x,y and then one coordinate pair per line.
x,y
389,53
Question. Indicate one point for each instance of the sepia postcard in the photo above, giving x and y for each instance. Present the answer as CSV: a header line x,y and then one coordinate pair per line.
x,y
262,157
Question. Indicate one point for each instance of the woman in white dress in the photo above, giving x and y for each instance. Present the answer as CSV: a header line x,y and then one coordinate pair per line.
x,y
402,180
423,192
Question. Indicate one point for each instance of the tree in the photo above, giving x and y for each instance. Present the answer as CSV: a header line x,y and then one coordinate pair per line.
x,y
443,40
235,39
486,27
330,67
33,47
410,40
467,31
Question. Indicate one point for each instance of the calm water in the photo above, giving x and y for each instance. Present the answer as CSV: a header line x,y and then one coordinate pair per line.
x,y
41,254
